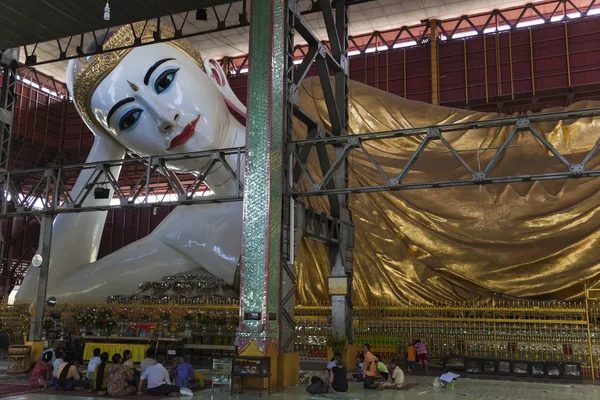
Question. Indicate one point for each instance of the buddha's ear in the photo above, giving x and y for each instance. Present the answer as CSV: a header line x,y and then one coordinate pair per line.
x,y
216,74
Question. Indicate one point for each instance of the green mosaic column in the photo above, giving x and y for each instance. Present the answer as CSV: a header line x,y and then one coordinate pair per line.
x,y
259,297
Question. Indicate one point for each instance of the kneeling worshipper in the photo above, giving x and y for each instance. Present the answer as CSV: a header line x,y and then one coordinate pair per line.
x,y
118,377
42,372
68,376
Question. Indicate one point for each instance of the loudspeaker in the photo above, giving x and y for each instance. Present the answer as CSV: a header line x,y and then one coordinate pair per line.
x,y
101,193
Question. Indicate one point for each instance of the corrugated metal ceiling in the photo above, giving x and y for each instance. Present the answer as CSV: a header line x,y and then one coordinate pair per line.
x,y
32,21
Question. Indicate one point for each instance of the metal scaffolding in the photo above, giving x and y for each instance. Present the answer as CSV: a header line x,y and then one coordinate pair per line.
x,y
331,62
75,46
45,190
346,146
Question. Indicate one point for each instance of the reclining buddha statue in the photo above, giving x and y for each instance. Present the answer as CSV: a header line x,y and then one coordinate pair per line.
x,y
533,240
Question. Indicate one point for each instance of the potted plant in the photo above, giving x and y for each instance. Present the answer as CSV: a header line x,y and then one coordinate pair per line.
x,y
336,343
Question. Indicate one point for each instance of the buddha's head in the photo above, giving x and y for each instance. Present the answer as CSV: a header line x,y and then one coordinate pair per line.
x,y
153,100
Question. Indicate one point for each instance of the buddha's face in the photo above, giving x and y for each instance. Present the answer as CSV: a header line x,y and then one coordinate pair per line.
x,y
158,101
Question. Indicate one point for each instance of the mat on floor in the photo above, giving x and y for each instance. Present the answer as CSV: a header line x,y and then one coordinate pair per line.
x,y
106,396
13,389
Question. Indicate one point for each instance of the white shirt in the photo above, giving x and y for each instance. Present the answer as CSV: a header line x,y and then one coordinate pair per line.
x,y
331,365
92,364
146,362
398,376
156,375
55,366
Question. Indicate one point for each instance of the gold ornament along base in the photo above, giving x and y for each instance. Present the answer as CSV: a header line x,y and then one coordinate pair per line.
x,y
285,367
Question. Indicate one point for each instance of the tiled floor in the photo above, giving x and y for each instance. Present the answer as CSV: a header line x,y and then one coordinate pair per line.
x,y
465,389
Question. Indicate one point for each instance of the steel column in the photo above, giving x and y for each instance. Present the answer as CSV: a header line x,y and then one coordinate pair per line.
x,y
341,257
8,95
37,308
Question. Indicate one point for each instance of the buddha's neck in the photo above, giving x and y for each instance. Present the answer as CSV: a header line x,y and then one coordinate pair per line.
x,y
219,180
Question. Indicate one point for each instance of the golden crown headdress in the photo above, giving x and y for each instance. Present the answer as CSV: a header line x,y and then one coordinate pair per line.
x,y
101,65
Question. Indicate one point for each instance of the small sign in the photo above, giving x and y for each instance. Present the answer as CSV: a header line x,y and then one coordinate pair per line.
x,y
36,261
171,352
338,285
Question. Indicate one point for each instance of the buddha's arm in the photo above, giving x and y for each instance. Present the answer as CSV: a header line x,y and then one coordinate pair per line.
x,y
76,237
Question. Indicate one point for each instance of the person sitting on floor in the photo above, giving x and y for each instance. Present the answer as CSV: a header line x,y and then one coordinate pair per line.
x,y
360,365
60,358
68,376
58,345
397,377
128,362
382,369
338,377
178,359
331,363
119,375
42,372
159,382
92,364
101,374
184,373
127,359
149,360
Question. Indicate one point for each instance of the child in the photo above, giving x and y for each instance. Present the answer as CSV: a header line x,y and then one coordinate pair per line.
x,y
184,373
361,365
382,369
91,367
60,355
411,357
422,354
397,377
331,364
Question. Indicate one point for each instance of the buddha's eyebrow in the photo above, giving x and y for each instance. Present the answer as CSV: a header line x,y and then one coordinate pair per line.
x,y
152,68
116,107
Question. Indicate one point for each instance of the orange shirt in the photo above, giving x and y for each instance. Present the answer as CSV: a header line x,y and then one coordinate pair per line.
x,y
412,353
370,364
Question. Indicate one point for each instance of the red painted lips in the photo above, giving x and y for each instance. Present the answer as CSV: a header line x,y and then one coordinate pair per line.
x,y
185,134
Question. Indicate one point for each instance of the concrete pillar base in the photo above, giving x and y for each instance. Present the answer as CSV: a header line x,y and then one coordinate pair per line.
x,y
288,373
285,367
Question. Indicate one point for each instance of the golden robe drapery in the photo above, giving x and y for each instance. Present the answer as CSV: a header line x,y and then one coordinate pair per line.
x,y
533,240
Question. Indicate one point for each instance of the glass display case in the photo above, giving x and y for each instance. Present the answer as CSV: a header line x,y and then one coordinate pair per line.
x,y
474,366
222,373
504,367
553,369
490,366
246,368
538,369
455,363
571,370
520,368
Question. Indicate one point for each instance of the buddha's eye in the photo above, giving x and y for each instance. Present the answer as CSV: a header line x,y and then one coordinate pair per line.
x,y
165,80
130,119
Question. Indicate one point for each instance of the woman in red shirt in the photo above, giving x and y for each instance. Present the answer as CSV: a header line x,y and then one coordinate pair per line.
x,y
42,372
